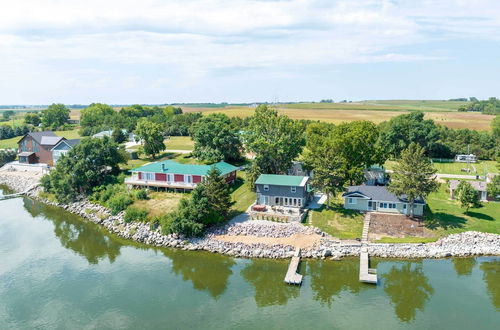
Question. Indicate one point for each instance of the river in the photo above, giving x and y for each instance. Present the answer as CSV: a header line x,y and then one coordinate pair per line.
x,y
60,272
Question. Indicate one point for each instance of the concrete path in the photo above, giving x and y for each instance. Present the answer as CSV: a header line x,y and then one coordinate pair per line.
x,y
318,201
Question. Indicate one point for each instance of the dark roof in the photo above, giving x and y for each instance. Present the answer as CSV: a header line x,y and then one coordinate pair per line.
x,y
379,193
73,142
43,138
25,154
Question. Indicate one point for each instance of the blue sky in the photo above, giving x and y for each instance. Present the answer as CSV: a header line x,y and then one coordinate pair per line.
x,y
152,51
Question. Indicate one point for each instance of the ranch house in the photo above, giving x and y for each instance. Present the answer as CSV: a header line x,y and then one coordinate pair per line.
x,y
171,174
378,198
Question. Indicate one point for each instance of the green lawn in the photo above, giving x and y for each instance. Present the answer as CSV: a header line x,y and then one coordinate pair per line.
x,y
444,216
338,222
241,195
482,167
179,143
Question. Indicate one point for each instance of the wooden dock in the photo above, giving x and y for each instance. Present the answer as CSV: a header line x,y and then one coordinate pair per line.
x,y
10,196
366,274
292,277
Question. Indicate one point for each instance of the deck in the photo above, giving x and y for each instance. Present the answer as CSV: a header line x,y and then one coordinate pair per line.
x,y
292,277
159,184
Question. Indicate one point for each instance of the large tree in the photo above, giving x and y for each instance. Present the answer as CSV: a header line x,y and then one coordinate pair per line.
x,y
467,196
339,154
218,192
151,136
413,176
493,187
95,118
85,166
397,134
495,126
215,139
56,115
275,139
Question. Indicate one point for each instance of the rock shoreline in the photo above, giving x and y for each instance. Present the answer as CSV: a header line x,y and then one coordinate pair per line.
x,y
456,245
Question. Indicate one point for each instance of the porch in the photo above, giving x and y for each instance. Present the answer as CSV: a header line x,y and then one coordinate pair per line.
x,y
135,182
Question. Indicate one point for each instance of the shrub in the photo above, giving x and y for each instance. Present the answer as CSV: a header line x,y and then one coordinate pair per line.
x,y
141,194
134,214
119,202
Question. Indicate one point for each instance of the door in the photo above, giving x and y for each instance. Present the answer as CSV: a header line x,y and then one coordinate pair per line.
x,y
370,206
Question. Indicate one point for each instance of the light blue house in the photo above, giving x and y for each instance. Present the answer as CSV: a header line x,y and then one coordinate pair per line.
x,y
62,147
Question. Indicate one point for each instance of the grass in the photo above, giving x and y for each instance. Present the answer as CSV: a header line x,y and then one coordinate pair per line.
x,y
444,216
159,203
338,222
482,167
179,143
241,195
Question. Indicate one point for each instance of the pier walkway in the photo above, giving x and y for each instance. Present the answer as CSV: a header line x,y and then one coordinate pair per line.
x,y
292,277
366,274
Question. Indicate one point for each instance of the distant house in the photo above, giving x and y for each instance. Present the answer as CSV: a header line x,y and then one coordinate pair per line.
x,y
62,147
479,186
299,169
465,158
171,174
378,198
283,190
36,147
109,133
375,176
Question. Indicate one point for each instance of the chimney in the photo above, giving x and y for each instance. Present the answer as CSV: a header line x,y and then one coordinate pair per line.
x,y
163,167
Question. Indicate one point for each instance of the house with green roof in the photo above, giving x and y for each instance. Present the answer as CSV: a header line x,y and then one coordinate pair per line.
x,y
171,174
283,190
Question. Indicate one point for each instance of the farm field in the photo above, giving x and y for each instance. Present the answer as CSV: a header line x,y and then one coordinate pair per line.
x,y
442,112
179,143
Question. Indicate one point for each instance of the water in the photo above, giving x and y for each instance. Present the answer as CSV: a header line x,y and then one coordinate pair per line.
x,y
57,271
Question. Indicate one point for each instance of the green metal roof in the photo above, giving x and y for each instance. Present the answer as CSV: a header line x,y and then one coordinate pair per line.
x,y
282,180
173,167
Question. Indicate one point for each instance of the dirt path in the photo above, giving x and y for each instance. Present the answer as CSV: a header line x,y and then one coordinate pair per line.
x,y
296,240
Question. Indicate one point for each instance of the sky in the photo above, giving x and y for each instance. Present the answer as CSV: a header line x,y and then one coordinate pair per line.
x,y
162,51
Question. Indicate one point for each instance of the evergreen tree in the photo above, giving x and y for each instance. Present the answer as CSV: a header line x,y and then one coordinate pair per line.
x,y
218,192
413,175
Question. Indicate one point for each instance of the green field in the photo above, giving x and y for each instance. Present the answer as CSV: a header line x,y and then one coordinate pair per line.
x,y
444,216
481,168
179,143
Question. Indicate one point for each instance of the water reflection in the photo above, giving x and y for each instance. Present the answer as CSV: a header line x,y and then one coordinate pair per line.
x,y
266,276
207,272
491,275
328,279
408,288
463,266
86,239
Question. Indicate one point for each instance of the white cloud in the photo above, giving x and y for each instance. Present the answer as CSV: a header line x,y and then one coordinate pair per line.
x,y
194,38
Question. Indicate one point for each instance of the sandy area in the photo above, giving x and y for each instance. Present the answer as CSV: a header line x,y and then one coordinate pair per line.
x,y
296,240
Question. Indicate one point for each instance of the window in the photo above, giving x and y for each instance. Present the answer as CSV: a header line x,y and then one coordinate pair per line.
x,y
352,200
277,200
170,177
293,189
23,145
149,176
286,200
188,178
35,146
299,202
266,187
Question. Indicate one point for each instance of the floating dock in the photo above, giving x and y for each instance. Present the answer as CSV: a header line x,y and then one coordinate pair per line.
x,y
292,277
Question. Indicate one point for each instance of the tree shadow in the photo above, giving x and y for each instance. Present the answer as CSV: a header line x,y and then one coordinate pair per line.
x,y
442,220
481,216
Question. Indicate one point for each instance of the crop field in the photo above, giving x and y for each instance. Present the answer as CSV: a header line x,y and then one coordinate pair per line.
x,y
442,112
